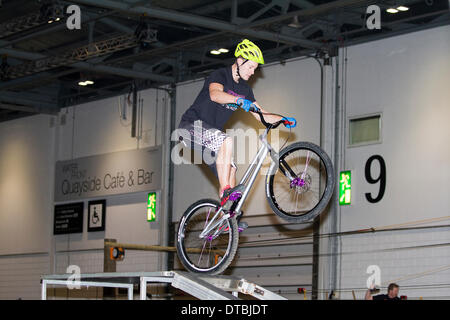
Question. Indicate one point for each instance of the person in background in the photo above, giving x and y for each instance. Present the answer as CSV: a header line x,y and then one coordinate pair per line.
x,y
392,293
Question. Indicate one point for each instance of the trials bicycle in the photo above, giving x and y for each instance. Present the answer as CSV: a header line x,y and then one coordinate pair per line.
x,y
299,184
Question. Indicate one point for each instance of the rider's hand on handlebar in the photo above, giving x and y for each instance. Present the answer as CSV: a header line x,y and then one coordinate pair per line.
x,y
289,122
245,104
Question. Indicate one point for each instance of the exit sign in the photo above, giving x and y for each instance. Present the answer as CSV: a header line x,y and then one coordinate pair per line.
x,y
151,206
345,187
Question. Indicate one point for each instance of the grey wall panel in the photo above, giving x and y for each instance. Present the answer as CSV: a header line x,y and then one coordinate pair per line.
x,y
274,255
89,261
96,127
26,170
404,78
275,275
416,260
265,234
20,276
291,292
139,261
29,148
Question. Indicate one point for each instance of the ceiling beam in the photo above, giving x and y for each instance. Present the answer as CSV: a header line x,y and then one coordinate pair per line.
x,y
54,27
407,27
13,107
80,65
38,77
310,12
397,32
200,21
303,4
215,7
33,101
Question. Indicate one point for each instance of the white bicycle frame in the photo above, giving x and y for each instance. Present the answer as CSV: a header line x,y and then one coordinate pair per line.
x,y
247,180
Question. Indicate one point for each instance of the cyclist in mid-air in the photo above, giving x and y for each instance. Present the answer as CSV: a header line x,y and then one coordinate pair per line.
x,y
203,123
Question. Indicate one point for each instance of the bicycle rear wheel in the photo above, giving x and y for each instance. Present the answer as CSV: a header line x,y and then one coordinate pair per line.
x,y
305,196
213,253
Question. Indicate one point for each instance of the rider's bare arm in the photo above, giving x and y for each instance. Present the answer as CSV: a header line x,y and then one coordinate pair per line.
x,y
368,295
217,94
268,117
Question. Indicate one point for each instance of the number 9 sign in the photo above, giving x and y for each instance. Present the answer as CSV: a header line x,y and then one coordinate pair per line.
x,y
381,178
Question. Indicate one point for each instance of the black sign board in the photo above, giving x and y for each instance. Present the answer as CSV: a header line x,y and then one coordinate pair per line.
x,y
68,218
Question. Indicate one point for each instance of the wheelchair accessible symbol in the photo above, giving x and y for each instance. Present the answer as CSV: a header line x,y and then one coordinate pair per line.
x,y
96,218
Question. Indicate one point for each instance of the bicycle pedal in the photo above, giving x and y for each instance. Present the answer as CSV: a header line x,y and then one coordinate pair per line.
x,y
231,203
235,195
242,226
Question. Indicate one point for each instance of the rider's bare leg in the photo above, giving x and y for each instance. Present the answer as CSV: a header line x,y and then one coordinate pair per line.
x,y
223,164
232,179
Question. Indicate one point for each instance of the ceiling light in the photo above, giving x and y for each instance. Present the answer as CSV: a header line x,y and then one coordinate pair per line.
x,y
223,50
50,21
392,10
215,52
85,83
402,8
57,19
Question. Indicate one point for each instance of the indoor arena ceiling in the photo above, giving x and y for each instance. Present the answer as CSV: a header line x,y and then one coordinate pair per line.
x,y
126,43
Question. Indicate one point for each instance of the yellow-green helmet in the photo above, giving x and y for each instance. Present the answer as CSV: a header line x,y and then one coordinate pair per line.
x,y
249,50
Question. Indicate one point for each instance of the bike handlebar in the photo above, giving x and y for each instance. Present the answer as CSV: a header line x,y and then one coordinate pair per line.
x,y
255,109
263,121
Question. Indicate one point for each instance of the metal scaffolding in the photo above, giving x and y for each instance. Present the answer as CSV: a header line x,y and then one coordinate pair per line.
x,y
47,14
89,51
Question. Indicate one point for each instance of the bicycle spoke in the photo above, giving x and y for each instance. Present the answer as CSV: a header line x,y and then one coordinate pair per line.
x,y
201,253
207,217
296,201
209,254
308,158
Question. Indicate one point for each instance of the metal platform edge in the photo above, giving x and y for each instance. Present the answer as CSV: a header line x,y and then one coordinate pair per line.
x,y
203,287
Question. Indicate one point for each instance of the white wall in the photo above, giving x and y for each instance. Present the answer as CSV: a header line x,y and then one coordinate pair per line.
x,y
20,275
29,149
26,172
406,79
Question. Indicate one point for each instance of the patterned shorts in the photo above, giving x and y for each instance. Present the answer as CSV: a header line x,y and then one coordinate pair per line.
x,y
204,138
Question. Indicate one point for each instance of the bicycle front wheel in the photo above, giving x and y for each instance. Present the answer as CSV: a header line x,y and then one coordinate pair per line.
x,y
214,252
307,193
